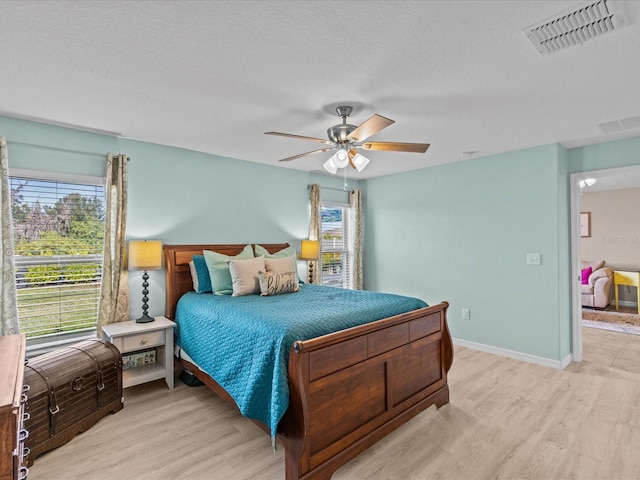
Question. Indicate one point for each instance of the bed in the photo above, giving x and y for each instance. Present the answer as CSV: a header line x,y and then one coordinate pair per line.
x,y
346,390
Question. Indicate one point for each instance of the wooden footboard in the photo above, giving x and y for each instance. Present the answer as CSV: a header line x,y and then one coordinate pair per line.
x,y
348,389
351,388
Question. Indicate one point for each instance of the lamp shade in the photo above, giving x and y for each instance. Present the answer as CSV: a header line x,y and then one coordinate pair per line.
x,y
340,158
329,166
359,162
145,254
310,250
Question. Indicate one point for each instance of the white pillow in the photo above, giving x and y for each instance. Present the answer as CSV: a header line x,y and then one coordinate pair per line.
x,y
281,265
194,276
244,275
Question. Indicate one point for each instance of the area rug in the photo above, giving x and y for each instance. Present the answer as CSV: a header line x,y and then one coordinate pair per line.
x,y
625,320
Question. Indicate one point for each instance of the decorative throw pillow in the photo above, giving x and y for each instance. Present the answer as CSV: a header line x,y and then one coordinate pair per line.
x,y
218,266
594,265
277,283
281,265
200,274
244,275
285,252
586,273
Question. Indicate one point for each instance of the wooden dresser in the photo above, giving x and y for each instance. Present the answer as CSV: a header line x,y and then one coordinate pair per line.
x,y
12,399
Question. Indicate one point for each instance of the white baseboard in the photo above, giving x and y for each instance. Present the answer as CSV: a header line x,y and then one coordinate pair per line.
x,y
624,303
503,352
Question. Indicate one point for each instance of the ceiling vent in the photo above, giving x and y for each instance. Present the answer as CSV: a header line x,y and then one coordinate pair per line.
x,y
576,26
618,126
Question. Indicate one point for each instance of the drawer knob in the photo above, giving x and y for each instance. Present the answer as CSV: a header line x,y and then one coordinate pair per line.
x,y
143,341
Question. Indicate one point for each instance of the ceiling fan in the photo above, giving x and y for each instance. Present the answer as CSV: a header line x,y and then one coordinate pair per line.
x,y
348,139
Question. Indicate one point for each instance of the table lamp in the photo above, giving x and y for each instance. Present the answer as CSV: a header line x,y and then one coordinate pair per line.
x,y
310,251
145,255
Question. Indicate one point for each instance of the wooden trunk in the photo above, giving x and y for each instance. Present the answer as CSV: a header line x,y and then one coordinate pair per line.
x,y
71,388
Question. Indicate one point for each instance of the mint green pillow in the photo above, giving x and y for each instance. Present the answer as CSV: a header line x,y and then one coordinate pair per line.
x,y
285,252
218,265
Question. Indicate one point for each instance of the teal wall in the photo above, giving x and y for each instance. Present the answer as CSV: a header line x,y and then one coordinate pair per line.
x,y
36,146
458,232
461,233
623,153
180,196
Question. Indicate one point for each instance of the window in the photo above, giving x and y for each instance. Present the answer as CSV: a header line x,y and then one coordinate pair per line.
x,y
336,251
58,232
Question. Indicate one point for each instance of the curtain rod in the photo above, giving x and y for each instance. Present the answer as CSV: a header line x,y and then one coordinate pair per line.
x,y
66,150
329,188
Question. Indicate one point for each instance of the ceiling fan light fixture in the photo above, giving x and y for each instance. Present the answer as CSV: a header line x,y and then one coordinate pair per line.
x,y
330,166
359,162
340,158
345,138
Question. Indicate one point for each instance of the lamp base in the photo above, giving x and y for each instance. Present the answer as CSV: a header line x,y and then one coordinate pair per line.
x,y
145,319
310,273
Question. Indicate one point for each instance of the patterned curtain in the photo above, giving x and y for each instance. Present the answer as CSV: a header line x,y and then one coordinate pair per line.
x,y
315,227
8,297
355,236
114,296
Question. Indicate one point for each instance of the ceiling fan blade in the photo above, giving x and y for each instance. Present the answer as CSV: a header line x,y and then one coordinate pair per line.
x,y
396,147
370,126
300,137
305,154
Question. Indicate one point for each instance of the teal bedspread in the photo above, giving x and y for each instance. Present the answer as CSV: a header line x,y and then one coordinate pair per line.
x,y
243,342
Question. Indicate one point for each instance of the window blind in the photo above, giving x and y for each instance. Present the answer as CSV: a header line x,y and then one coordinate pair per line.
x,y
58,228
335,246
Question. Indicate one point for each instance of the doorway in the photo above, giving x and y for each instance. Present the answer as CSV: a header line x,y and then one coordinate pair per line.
x,y
609,179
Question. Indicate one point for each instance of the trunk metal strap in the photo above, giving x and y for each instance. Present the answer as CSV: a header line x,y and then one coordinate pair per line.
x,y
53,404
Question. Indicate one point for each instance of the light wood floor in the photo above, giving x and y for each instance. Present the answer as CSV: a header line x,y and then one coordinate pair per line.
x,y
507,419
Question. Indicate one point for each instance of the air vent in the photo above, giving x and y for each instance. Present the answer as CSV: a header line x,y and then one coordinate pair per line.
x,y
576,26
618,126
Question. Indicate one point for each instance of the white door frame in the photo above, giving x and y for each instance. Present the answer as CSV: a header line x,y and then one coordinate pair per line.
x,y
576,295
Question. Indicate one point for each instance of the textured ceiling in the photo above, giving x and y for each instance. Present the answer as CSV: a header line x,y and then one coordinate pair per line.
x,y
214,76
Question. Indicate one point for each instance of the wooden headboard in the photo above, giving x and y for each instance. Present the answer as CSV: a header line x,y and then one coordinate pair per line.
x,y
177,273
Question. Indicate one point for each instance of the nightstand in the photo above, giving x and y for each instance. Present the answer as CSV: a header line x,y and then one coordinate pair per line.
x,y
130,337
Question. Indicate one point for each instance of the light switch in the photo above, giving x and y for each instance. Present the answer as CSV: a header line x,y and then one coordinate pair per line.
x,y
533,259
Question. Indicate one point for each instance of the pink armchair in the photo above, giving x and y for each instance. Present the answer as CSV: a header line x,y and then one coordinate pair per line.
x,y
596,292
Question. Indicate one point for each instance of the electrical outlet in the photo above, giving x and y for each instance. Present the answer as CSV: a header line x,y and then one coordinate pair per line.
x,y
534,259
466,314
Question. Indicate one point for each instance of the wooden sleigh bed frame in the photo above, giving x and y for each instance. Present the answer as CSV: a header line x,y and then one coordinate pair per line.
x,y
348,389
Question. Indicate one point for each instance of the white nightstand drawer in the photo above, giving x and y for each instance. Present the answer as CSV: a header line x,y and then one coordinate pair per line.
x,y
143,340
